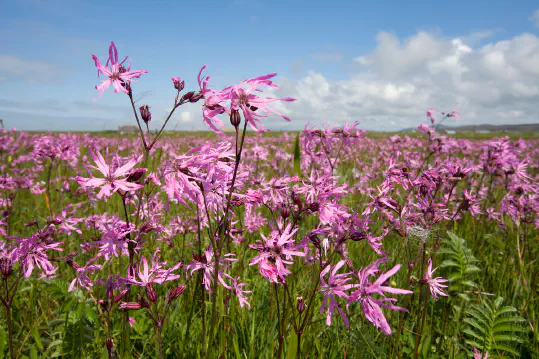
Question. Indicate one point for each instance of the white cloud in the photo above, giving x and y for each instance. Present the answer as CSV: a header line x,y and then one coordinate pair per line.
x,y
33,71
535,18
497,82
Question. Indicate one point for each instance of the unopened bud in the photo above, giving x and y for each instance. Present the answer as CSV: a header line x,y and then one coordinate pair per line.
x,y
110,344
120,295
147,227
187,96
314,206
130,305
196,97
175,293
5,267
143,302
178,83
285,212
135,174
151,294
145,113
358,236
297,200
300,304
235,118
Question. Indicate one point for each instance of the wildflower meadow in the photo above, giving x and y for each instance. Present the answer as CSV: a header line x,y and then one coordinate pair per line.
x,y
329,242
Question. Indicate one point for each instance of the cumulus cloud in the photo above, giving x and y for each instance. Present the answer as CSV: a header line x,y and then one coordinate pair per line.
x,y
395,83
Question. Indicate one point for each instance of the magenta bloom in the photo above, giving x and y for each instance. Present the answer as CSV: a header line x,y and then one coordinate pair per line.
x,y
435,284
332,289
479,355
114,180
253,106
207,263
275,252
117,75
430,114
155,274
82,279
366,290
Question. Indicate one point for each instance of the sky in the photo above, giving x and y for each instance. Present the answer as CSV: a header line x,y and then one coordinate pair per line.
x,y
381,63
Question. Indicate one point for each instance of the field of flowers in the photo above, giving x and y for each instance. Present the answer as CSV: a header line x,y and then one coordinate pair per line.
x,y
327,243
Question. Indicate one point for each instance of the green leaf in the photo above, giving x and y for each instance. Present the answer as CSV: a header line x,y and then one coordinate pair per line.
x,y
297,156
292,346
37,337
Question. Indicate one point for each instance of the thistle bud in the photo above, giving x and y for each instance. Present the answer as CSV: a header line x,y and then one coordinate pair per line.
x,y
300,304
235,118
130,305
145,113
175,293
178,83
151,294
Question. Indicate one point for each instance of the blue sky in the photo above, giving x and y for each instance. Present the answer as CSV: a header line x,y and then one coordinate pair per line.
x,y
381,63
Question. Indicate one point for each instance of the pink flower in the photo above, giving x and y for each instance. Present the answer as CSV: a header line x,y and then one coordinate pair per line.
x,y
117,75
252,106
479,355
114,180
430,114
455,114
332,289
369,304
207,263
155,274
82,278
275,252
435,284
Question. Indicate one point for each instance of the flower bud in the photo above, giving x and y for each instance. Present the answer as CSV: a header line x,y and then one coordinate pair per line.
x,y
151,294
5,267
175,293
130,305
109,343
120,296
314,207
196,97
145,113
297,200
300,304
147,227
187,96
143,302
178,83
135,174
285,212
357,236
235,118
